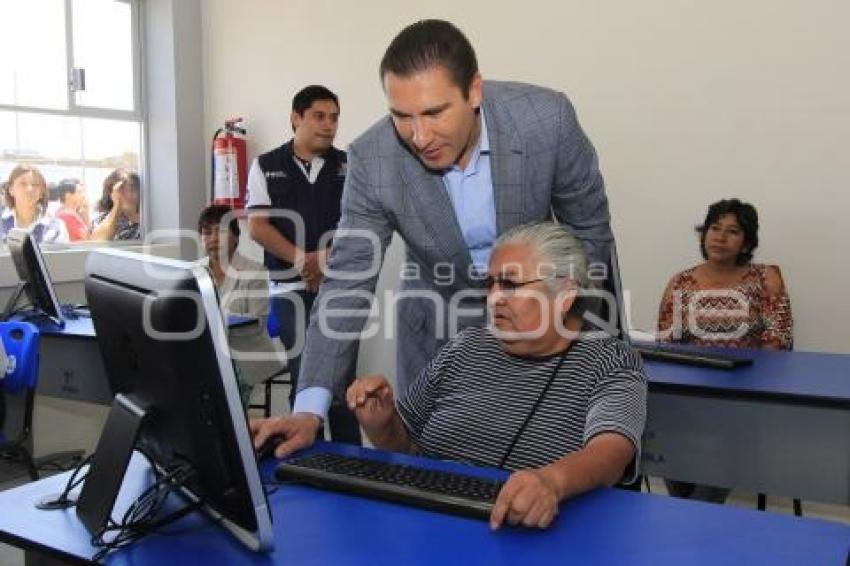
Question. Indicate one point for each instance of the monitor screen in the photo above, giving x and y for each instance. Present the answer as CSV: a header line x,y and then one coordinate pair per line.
x,y
162,338
32,271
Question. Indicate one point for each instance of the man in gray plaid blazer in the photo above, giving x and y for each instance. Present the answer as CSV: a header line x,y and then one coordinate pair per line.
x,y
457,162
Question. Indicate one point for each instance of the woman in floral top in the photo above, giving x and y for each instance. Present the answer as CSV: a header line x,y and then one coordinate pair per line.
x,y
727,300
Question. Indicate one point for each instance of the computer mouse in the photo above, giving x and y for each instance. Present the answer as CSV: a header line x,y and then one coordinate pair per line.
x,y
267,449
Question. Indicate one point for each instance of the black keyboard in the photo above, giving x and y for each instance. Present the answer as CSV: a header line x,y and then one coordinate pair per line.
x,y
690,357
446,492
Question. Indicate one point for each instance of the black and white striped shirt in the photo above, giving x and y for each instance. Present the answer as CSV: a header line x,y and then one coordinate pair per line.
x,y
473,397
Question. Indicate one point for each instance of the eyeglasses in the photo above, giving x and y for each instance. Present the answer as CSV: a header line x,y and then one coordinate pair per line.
x,y
506,285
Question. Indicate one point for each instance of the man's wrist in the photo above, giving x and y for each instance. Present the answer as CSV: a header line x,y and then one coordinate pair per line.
x,y
299,258
313,417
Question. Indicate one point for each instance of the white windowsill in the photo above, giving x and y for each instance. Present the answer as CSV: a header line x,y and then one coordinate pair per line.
x,y
68,263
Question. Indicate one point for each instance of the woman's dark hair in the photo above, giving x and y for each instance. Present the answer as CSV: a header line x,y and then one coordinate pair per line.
x,y
65,187
105,203
212,215
746,216
427,44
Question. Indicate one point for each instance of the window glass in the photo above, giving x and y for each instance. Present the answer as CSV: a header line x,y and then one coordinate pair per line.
x,y
66,133
33,67
103,46
68,147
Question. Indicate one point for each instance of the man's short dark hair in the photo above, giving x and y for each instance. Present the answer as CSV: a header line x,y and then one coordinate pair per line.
x,y
427,44
747,218
64,187
212,215
305,98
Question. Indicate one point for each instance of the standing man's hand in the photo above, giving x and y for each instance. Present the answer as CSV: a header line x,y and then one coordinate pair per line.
x,y
298,431
311,270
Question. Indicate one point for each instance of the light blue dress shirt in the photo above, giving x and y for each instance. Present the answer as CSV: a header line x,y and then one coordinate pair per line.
x,y
471,192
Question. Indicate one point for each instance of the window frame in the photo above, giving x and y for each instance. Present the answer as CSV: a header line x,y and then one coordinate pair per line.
x,y
138,114
75,110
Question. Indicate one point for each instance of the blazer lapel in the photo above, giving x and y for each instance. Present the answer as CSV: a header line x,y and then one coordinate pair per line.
x,y
431,201
507,167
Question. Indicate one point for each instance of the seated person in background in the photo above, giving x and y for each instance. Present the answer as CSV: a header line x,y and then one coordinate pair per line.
x,y
529,393
725,301
118,215
26,203
73,208
243,289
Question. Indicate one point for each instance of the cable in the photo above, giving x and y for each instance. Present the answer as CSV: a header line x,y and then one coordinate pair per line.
x,y
132,533
63,500
138,520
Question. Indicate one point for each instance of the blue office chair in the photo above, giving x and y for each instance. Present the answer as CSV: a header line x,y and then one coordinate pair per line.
x,y
273,328
20,341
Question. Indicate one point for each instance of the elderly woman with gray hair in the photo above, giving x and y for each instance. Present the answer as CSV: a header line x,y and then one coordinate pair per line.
x,y
530,393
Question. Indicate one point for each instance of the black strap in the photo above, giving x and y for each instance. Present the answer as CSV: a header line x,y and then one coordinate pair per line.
x,y
537,402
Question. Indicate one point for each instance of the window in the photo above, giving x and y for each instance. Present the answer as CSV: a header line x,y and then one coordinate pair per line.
x,y
70,106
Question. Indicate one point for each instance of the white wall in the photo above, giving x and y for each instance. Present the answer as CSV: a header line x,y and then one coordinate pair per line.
x,y
176,154
686,101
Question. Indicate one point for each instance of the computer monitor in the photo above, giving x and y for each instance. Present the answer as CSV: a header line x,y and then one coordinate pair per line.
x,y
34,277
607,309
162,338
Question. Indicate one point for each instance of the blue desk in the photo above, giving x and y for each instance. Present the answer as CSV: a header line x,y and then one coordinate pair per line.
x,y
608,526
780,426
70,366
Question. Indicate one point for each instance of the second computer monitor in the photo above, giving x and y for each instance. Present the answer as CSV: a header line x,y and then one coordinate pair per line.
x,y
162,338
33,274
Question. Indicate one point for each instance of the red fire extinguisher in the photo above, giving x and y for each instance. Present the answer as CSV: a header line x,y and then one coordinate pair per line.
x,y
229,165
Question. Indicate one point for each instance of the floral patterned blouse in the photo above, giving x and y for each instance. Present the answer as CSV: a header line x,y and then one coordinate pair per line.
x,y
742,316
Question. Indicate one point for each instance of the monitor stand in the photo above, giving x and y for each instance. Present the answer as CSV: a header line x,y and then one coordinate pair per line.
x,y
35,314
9,309
111,458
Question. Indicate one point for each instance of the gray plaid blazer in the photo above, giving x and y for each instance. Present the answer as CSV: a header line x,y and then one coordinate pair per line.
x,y
542,166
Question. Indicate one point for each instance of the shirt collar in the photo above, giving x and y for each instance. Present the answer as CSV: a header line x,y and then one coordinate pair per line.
x,y
484,138
320,156
482,148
